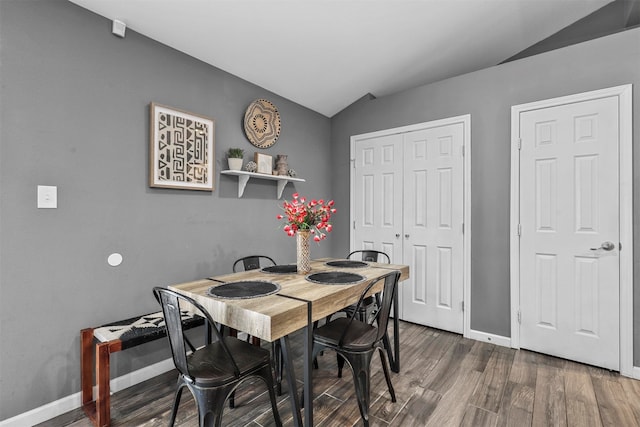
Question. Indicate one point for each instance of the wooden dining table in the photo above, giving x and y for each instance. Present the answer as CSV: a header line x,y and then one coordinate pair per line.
x,y
296,305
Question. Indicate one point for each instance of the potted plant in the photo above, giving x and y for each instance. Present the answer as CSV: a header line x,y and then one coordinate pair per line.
x,y
234,156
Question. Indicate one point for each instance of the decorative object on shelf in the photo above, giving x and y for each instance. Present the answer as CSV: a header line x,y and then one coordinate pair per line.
x,y
304,219
262,123
264,162
292,173
251,166
281,164
234,157
181,152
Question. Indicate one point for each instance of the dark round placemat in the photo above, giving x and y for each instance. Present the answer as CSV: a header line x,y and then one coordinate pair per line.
x,y
244,289
346,263
281,269
335,278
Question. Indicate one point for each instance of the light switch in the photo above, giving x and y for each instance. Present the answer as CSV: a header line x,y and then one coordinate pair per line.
x,y
47,197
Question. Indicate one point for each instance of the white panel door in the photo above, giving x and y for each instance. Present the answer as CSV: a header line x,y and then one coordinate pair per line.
x,y
569,214
378,195
433,221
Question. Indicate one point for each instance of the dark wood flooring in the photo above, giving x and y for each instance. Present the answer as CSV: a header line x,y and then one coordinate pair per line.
x,y
445,380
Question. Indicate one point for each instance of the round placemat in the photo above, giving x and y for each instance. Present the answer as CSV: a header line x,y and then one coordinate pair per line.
x,y
335,278
281,269
346,263
244,289
262,123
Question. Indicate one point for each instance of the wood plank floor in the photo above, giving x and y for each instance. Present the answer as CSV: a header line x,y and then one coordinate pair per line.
x,y
445,380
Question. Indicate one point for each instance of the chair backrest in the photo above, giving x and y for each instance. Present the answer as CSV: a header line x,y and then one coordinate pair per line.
x,y
371,255
252,262
170,302
382,316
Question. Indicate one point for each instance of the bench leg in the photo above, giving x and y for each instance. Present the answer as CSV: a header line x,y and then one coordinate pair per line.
x,y
86,368
103,398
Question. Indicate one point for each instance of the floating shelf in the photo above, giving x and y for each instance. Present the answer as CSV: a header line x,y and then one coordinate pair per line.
x,y
243,178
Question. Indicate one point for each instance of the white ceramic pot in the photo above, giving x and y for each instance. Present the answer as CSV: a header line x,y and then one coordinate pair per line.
x,y
235,164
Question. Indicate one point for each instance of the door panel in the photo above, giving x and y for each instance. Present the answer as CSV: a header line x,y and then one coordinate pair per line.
x,y
378,195
569,284
433,216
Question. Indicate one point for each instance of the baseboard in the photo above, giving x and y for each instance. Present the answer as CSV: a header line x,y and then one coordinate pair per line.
x,y
74,401
636,373
490,338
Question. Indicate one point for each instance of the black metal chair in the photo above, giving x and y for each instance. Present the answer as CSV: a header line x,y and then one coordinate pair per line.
x,y
255,262
356,341
213,372
252,262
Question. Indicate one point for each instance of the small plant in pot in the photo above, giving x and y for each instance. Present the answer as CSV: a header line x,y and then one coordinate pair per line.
x,y
234,156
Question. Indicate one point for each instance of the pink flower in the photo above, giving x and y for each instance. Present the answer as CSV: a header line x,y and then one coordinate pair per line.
x,y
316,238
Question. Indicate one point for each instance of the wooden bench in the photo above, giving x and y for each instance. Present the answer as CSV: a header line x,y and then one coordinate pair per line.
x,y
112,338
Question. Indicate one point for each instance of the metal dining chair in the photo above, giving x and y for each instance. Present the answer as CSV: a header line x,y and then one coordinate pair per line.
x,y
355,341
213,372
252,262
255,262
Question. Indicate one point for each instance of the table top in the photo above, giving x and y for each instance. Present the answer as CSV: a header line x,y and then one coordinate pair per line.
x,y
274,316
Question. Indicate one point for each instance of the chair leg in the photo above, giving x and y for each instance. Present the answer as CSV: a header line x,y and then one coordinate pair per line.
x,y
210,403
340,360
176,401
267,376
360,364
385,369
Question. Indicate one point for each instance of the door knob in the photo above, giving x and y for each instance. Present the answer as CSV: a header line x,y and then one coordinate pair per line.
x,y
607,246
397,235
406,236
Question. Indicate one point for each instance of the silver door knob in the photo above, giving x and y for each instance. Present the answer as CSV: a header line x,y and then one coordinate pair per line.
x,y
607,246
397,235
406,236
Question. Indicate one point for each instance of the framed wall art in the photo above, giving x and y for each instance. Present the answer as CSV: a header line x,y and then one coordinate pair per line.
x,y
264,162
181,153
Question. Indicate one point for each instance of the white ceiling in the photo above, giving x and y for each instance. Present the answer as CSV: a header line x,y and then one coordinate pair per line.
x,y
326,54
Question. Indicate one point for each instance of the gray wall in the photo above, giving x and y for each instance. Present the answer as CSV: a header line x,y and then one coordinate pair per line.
x,y
74,113
488,96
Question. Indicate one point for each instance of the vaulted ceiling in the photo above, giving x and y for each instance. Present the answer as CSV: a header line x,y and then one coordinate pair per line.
x,y
326,54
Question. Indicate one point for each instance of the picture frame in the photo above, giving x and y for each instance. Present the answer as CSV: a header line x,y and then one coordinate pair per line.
x,y
182,149
264,162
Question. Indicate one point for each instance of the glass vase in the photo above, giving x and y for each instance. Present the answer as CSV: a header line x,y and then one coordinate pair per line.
x,y
303,252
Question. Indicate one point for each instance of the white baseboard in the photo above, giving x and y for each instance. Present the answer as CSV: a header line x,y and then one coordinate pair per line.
x,y
490,338
69,403
636,373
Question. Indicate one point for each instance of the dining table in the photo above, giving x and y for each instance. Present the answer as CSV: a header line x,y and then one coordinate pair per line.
x,y
291,302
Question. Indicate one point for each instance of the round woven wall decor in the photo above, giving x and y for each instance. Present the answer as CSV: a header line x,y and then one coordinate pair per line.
x,y
262,123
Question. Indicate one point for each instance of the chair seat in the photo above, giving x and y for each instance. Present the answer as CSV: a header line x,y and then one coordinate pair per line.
x,y
210,367
360,336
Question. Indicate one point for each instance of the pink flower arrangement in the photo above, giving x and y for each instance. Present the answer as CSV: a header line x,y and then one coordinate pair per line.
x,y
313,216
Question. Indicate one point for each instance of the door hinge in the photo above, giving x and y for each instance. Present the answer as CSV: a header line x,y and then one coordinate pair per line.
x,y
463,228
354,225
519,143
353,163
463,151
519,229
462,305
519,316
620,246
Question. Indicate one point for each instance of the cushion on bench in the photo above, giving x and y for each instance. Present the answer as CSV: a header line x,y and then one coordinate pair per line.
x,y
137,330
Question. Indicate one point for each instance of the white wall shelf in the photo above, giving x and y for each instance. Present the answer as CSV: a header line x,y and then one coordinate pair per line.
x,y
243,178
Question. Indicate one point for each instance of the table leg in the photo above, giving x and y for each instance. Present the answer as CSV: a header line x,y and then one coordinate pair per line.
x,y
291,379
395,365
308,371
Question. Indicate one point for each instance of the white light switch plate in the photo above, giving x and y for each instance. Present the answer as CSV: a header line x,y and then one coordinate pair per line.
x,y
47,197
